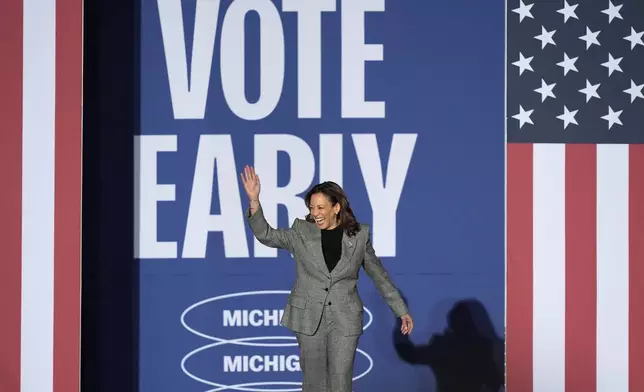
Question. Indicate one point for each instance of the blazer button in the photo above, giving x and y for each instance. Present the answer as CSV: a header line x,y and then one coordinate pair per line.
x,y
329,303
326,289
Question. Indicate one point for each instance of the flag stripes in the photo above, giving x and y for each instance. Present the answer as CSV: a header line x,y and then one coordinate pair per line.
x,y
38,133
574,299
580,265
519,281
612,268
11,196
40,164
636,267
549,267
68,146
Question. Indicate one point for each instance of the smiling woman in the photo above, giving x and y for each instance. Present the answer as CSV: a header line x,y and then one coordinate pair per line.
x,y
324,309
329,208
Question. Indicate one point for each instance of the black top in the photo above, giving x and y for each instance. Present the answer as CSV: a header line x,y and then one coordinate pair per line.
x,y
332,246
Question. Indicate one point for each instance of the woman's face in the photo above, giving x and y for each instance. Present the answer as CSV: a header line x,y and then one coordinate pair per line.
x,y
323,211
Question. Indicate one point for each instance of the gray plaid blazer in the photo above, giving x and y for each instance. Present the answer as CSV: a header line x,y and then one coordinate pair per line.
x,y
315,287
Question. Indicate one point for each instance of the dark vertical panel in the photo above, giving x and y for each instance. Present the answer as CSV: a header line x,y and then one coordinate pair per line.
x,y
109,342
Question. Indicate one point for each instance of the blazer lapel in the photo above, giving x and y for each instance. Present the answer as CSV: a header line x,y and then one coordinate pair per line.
x,y
314,244
348,247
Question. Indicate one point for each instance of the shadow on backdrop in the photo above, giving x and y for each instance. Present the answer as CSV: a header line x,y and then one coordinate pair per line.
x,y
466,357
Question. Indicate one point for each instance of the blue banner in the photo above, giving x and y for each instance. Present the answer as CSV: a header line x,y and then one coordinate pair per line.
x,y
401,103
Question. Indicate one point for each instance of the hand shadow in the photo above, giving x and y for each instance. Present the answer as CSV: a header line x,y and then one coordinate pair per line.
x,y
467,357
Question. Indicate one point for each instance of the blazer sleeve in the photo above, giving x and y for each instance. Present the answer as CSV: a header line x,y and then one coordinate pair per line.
x,y
267,235
374,268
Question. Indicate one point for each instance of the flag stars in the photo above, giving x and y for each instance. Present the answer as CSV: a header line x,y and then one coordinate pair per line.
x,y
568,64
612,117
612,11
546,90
590,91
523,11
590,37
612,64
546,37
523,63
562,116
635,91
635,38
568,117
523,116
568,11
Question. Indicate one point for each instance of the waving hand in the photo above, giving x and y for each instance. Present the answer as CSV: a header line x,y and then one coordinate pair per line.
x,y
251,183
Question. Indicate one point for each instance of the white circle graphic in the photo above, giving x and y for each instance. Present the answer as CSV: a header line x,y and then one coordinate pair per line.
x,y
253,341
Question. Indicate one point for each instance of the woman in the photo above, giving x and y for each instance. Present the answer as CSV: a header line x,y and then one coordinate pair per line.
x,y
324,309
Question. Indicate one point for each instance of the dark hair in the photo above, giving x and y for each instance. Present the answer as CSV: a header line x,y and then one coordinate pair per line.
x,y
335,194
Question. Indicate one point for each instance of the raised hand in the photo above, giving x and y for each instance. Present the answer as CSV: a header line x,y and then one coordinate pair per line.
x,y
251,183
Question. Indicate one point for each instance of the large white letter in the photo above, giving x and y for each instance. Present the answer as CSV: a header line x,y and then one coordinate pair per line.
x,y
354,55
146,195
188,97
385,197
271,58
309,53
230,221
302,169
331,157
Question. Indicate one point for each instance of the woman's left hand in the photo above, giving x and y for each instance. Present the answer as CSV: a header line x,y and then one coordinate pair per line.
x,y
407,324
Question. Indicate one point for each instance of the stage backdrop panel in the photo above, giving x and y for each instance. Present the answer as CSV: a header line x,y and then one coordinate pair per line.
x,y
400,103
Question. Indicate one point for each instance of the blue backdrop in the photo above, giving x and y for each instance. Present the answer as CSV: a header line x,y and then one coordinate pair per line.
x,y
425,167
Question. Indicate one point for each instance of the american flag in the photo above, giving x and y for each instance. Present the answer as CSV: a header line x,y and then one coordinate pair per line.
x,y
40,182
575,196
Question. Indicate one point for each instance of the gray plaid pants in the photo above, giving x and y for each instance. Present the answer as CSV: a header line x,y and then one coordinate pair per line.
x,y
327,357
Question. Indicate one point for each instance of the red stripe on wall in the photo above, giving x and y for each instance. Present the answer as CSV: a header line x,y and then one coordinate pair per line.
x,y
581,267
11,194
67,206
519,267
636,272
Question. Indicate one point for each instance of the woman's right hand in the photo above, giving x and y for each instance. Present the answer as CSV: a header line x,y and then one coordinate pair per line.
x,y
251,183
